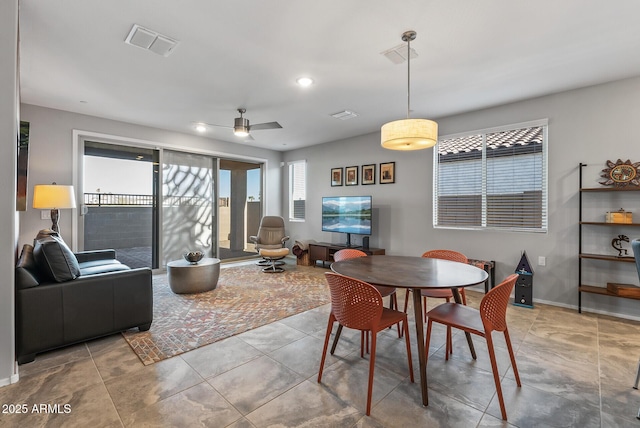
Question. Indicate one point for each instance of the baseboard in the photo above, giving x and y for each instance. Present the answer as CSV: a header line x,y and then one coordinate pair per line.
x,y
590,310
10,380
574,307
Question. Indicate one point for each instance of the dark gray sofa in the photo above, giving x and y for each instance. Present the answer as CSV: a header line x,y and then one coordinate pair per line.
x,y
64,298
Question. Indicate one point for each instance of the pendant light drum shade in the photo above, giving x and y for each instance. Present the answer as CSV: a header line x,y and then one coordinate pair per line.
x,y
409,134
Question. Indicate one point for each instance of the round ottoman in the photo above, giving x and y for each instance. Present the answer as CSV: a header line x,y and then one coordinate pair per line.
x,y
189,278
273,255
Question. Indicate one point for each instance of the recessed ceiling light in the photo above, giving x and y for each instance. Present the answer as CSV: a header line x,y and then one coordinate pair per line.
x,y
304,81
200,127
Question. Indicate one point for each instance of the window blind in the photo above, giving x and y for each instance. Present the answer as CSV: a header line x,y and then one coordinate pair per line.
x,y
492,180
297,189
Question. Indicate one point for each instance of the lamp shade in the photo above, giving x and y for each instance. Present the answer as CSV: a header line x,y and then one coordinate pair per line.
x,y
409,134
53,196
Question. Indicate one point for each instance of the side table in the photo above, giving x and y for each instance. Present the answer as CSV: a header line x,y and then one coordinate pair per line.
x,y
188,278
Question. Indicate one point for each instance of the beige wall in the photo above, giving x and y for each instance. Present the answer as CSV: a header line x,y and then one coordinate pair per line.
x,y
586,125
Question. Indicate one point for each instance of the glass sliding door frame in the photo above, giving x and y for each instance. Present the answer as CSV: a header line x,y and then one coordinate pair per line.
x,y
119,210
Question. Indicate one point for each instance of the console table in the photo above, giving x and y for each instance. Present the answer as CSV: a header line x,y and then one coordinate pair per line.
x,y
324,251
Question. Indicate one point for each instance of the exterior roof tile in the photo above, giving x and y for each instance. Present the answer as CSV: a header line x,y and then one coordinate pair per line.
x,y
495,140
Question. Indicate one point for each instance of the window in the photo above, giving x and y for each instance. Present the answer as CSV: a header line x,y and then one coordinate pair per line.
x,y
492,179
297,189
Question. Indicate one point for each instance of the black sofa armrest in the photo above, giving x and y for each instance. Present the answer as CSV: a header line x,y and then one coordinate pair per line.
x,y
87,256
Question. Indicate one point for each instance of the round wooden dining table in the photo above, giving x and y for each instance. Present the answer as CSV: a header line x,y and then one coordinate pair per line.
x,y
415,273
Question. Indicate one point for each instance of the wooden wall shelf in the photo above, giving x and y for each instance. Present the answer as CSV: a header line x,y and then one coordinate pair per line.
x,y
603,291
585,225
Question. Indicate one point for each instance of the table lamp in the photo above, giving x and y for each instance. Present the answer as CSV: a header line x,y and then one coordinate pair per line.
x,y
53,197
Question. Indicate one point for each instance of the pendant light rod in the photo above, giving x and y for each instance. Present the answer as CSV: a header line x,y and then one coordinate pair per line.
x,y
408,36
409,134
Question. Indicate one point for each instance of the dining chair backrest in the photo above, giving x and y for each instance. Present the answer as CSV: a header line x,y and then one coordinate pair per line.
x,y
446,255
493,306
348,253
354,303
635,246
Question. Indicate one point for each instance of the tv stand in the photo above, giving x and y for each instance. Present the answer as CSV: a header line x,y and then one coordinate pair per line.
x,y
324,251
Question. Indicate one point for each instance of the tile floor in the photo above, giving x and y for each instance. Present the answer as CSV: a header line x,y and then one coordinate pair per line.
x,y
576,371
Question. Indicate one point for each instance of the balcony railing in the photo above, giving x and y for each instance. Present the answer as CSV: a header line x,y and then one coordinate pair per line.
x,y
111,199
121,199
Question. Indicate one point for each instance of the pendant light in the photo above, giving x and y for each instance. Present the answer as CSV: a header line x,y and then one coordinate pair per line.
x,y
409,134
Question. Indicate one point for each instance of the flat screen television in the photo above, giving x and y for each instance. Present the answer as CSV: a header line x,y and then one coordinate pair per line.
x,y
347,214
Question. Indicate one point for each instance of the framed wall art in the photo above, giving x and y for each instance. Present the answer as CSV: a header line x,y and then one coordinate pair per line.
x,y
351,176
336,177
387,172
369,174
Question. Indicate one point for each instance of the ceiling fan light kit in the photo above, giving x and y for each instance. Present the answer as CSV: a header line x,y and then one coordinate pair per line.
x,y
241,125
409,134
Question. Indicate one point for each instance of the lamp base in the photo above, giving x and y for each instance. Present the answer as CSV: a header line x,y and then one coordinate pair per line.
x,y
55,217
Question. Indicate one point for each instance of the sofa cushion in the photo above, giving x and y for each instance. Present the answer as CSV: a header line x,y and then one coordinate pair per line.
x,y
55,260
92,269
26,270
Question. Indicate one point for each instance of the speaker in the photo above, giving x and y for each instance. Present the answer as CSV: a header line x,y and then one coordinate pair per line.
x,y
365,242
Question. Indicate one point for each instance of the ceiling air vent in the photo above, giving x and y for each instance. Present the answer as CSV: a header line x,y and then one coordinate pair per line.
x,y
344,115
150,40
398,54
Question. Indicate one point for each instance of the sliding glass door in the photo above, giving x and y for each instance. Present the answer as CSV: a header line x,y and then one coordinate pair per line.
x,y
188,209
153,205
239,207
119,208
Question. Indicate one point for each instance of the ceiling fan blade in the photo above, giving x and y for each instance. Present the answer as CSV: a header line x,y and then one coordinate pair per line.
x,y
268,125
217,126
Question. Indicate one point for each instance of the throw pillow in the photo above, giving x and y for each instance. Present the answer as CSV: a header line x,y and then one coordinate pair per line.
x,y
55,260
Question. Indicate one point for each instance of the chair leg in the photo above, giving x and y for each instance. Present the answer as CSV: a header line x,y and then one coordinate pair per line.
x,y
336,338
507,339
372,364
448,349
464,296
424,309
394,305
326,345
427,341
405,328
635,385
406,302
496,375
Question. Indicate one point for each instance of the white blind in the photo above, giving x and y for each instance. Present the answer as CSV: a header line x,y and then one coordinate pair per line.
x,y
492,180
297,189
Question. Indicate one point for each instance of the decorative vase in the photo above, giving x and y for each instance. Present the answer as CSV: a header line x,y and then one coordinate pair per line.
x,y
193,257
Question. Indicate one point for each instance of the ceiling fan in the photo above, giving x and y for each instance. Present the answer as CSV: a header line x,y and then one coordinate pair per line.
x,y
242,128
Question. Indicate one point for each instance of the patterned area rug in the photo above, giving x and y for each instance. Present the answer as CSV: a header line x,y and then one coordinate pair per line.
x,y
244,299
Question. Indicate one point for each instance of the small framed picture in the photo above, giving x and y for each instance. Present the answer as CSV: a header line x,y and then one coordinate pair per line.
x,y
369,174
387,172
351,173
336,177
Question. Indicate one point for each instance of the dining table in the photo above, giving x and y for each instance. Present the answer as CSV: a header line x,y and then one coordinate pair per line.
x,y
415,273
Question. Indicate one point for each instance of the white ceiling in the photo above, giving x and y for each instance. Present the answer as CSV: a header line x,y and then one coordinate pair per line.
x,y
471,54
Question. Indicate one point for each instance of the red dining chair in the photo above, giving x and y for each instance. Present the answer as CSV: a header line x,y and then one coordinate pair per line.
x,y
358,305
446,293
351,253
491,316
